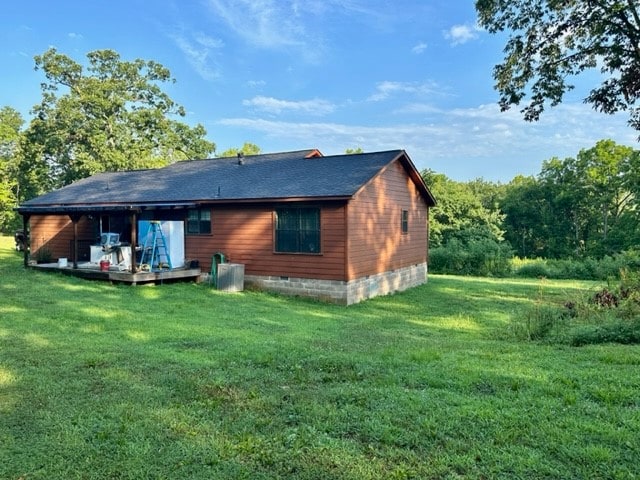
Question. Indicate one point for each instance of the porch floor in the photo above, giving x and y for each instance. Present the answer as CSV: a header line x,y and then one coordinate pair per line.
x,y
91,271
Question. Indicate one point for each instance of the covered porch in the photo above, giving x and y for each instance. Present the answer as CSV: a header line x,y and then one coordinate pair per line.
x,y
70,236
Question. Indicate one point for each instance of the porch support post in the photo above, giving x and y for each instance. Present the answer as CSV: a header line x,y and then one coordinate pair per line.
x,y
75,218
134,240
27,238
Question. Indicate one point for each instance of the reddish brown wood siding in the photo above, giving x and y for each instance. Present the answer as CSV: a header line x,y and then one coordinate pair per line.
x,y
55,232
375,242
363,237
245,235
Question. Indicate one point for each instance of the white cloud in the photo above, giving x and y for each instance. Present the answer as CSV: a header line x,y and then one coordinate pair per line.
x,y
388,88
462,143
75,36
417,109
266,23
419,48
208,42
289,24
273,105
269,24
459,34
332,134
256,83
200,51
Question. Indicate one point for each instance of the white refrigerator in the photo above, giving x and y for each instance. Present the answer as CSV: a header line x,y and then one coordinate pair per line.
x,y
173,232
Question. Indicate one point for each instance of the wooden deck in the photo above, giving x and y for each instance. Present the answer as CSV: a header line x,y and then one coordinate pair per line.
x,y
93,272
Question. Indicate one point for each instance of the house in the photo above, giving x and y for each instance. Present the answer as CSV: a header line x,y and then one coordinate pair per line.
x,y
342,228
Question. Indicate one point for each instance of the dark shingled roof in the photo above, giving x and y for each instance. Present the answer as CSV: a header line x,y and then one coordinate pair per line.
x,y
298,175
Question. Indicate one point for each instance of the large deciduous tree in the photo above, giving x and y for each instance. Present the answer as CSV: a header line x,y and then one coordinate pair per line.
x,y
551,41
607,174
109,115
10,134
529,224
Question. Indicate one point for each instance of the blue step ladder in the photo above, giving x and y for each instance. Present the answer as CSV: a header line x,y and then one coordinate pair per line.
x,y
155,251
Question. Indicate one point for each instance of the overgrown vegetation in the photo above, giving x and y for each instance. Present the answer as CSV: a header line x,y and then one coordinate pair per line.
x,y
608,267
104,381
476,256
611,314
485,257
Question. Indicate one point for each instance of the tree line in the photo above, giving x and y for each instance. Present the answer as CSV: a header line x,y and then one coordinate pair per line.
x,y
587,206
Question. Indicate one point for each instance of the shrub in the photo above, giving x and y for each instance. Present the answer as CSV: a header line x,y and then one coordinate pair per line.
x,y
610,315
538,322
604,268
44,255
478,256
532,269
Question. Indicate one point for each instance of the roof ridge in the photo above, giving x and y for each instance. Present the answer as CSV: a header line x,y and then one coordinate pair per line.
x,y
377,152
265,154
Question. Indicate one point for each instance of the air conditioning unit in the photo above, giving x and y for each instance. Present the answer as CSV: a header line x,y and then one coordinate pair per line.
x,y
230,277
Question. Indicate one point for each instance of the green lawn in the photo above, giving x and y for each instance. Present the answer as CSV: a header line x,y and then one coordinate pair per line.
x,y
101,381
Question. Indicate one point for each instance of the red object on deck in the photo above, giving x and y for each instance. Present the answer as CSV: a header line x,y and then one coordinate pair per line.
x,y
104,265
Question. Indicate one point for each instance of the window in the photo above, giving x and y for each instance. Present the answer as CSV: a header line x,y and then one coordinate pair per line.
x,y
297,230
405,221
198,222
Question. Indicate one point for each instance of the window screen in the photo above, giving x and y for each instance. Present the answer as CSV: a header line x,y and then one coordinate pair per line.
x,y
298,230
198,222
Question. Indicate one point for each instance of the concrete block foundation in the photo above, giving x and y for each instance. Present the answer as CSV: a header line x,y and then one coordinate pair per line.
x,y
341,292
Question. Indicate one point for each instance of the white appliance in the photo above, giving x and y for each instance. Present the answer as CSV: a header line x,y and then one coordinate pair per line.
x,y
109,238
174,235
118,256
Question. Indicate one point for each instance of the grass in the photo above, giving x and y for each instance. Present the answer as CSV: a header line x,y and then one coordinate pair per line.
x,y
104,381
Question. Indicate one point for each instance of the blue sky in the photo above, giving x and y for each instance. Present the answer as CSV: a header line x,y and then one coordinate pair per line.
x,y
326,74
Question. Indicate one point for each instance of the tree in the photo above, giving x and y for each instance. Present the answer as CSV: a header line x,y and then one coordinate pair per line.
x,y
553,40
523,206
351,151
246,149
110,116
466,235
569,220
10,134
604,168
460,212
583,206
631,181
